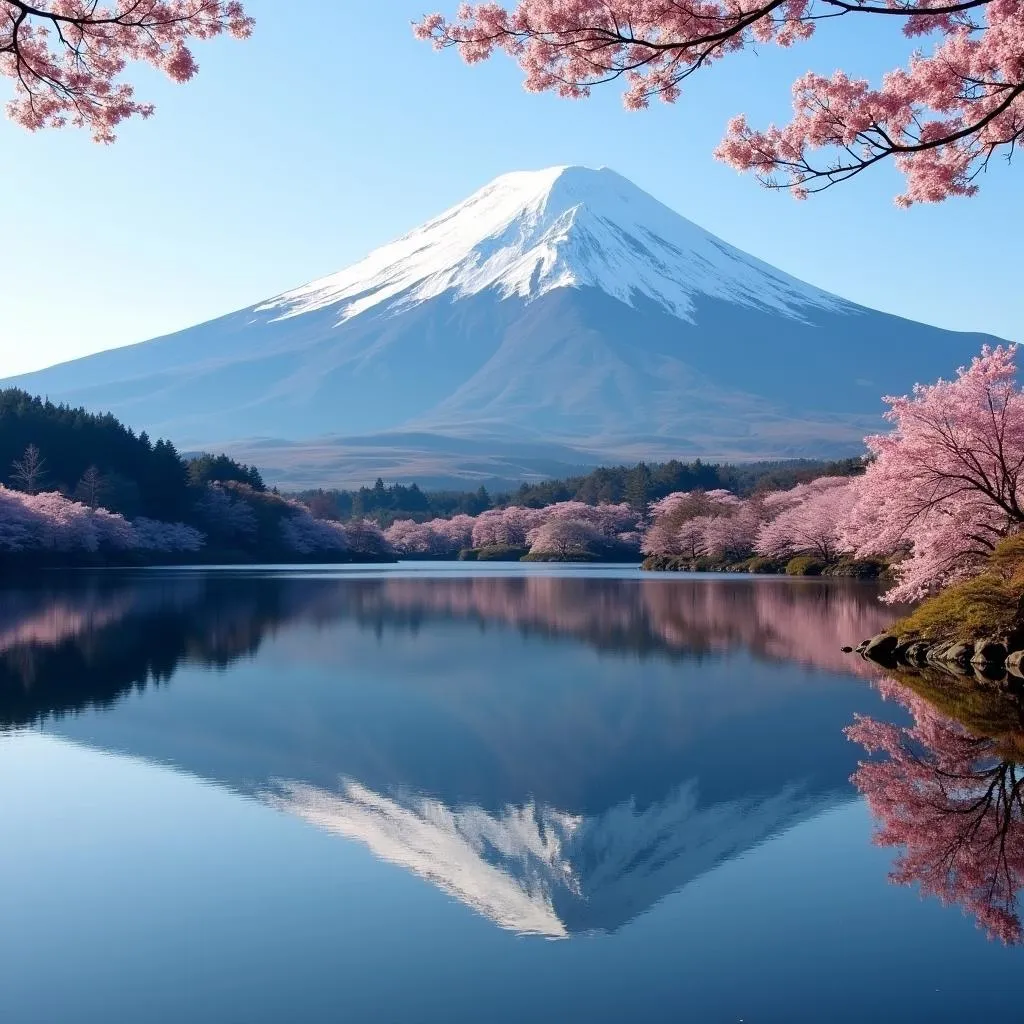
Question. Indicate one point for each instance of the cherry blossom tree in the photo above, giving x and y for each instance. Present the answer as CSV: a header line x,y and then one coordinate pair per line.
x,y
506,526
156,535
678,521
225,515
302,533
437,538
940,120
364,537
689,537
954,802
945,486
564,538
606,519
733,536
66,57
808,519
453,535
408,537
51,522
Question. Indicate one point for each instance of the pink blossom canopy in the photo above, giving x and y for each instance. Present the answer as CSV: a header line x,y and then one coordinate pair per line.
x,y
66,56
940,119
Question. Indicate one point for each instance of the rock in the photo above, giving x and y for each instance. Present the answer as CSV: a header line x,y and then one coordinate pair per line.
x,y
846,650
1015,663
960,654
880,647
899,652
988,675
989,652
917,652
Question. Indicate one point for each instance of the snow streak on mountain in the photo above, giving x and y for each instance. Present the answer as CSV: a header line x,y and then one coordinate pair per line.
x,y
554,319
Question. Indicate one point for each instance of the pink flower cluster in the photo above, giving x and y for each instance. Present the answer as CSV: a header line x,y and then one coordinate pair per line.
x,y
439,538
716,524
305,534
945,485
556,529
51,522
65,56
940,119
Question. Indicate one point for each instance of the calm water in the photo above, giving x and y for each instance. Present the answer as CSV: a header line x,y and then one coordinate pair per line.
x,y
422,795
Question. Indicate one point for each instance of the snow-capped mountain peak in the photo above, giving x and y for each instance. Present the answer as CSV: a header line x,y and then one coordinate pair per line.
x,y
530,232
553,319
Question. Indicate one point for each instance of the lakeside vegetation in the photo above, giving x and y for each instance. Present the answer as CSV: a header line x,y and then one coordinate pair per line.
x,y
78,488
933,509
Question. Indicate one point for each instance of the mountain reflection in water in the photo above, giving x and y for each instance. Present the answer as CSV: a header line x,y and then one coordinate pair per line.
x,y
557,752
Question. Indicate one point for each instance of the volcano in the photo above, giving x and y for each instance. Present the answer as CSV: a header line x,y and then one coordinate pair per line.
x,y
554,320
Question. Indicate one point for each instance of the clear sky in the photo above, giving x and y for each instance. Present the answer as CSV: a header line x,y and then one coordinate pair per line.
x,y
293,154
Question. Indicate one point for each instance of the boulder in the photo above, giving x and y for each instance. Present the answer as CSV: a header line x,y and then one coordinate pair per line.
x,y
988,675
1015,663
989,652
917,652
899,652
960,654
880,647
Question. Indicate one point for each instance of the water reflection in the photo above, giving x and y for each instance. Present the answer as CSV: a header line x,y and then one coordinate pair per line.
x,y
558,753
542,871
78,643
949,793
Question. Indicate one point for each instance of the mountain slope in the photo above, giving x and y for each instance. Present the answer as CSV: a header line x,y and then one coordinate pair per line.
x,y
563,308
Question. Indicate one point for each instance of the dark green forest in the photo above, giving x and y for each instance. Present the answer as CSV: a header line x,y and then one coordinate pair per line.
x,y
96,459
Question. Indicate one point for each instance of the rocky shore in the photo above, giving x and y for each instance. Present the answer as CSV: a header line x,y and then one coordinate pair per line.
x,y
988,659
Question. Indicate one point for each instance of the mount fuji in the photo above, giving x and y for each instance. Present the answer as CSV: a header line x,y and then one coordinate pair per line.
x,y
554,319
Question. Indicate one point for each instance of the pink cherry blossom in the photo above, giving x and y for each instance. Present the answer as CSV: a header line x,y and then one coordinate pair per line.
x,y
66,57
807,519
51,522
302,533
940,119
733,536
945,485
563,537
678,522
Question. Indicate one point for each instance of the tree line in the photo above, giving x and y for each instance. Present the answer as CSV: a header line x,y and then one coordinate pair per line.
x,y
636,486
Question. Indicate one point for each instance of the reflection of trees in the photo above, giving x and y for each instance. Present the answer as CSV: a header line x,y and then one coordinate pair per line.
x,y
801,621
952,796
88,640
86,644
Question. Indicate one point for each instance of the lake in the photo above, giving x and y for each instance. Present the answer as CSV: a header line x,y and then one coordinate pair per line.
x,y
447,793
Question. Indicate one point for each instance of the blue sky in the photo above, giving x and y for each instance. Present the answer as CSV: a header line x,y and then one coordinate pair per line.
x,y
293,154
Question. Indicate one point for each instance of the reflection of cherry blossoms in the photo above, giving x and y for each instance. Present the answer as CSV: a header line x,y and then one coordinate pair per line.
x,y
954,800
